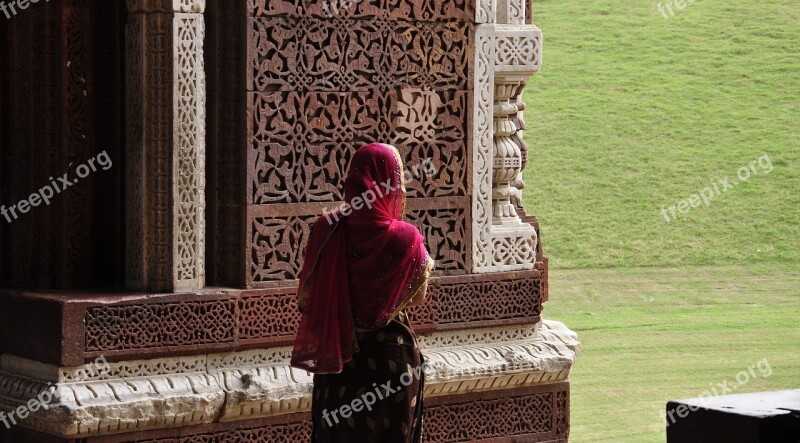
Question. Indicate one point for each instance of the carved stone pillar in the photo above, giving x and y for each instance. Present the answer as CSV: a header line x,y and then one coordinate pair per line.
x,y
507,53
166,145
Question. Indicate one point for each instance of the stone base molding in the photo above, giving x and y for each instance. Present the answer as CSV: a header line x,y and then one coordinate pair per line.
x,y
104,398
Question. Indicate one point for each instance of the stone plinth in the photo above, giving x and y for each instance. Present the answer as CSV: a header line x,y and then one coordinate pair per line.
x,y
477,372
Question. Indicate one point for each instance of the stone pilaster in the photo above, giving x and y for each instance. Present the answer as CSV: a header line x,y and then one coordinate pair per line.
x,y
507,53
165,161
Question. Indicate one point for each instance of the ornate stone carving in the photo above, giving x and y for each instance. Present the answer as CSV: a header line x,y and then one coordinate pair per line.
x,y
403,10
449,419
276,240
166,145
318,86
297,54
150,394
505,56
159,325
325,128
147,327
469,418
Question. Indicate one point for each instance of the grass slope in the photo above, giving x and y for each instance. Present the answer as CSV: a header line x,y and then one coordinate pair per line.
x,y
632,113
650,335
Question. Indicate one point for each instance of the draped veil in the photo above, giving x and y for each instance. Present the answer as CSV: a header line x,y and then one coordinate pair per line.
x,y
363,263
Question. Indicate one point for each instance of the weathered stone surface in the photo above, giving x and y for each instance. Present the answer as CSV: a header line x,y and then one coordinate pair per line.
x,y
505,57
110,398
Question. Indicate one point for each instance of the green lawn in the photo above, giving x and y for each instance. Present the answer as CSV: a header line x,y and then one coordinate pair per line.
x,y
633,113
653,334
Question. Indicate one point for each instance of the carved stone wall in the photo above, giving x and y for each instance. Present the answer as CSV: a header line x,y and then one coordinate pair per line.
x,y
294,87
508,51
134,326
303,84
315,87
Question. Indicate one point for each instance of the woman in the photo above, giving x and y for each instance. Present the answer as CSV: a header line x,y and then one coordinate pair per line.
x,y
363,266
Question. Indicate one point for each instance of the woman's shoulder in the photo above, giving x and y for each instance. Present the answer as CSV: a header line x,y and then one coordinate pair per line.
x,y
406,232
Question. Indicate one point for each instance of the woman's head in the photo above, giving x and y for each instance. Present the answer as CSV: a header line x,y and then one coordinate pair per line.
x,y
374,187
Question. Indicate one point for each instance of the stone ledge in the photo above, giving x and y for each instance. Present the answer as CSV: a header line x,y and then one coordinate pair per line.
x,y
142,395
128,326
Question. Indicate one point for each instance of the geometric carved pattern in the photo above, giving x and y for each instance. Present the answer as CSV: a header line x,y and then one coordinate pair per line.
x,y
301,143
403,10
446,230
317,84
189,185
263,317
480,300
275,246
356,55
526,414
501,417
297,432
562,417
511,12
509,298
117,328
270,317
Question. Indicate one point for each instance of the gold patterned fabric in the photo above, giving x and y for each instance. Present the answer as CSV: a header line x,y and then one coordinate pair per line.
x,y
378,397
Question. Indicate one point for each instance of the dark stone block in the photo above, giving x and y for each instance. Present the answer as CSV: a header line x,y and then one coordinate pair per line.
x,y
761,417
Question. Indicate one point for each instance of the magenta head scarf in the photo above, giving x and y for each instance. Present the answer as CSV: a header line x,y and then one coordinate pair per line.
x,y
363,264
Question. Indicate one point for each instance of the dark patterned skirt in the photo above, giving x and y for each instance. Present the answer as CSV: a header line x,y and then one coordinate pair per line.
x,y
378,395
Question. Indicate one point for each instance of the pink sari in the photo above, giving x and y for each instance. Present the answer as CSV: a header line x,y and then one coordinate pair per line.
x,y
363,264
